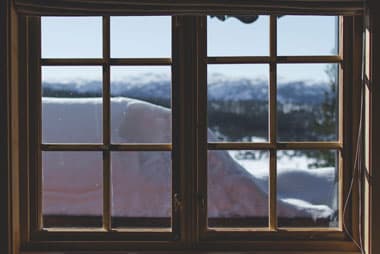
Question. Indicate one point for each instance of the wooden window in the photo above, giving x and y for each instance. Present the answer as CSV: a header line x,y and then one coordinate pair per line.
x,y
95,186
81,127
286,135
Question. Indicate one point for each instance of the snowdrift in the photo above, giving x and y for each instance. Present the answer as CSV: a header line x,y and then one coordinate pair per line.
x,y
72,185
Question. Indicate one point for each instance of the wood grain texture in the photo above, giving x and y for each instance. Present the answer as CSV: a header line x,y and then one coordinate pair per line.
x,y
188,7
5,173
374,126
191,140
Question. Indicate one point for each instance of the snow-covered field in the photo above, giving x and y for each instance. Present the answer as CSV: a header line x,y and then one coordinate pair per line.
x,y
72,182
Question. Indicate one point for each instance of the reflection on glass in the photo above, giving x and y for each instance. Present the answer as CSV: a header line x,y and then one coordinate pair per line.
x,y
307,188
71,37
307,102
141,37
307,35
72,189
238,102
72,104
140,104
141,189
237,188
232,37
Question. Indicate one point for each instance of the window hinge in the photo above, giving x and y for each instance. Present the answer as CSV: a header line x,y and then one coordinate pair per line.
x,y
177,202
201,200
199,124
367,82
177,22
368,176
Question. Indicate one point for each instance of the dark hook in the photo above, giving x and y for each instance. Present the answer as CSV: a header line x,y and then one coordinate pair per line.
x,y
247,19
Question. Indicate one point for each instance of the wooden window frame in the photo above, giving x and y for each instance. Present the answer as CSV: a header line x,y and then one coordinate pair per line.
x,y
273,145
106,147
188,231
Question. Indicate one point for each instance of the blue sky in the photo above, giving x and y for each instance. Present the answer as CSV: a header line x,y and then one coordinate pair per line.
x,y
81,37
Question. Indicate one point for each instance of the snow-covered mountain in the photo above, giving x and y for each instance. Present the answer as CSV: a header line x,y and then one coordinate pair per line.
x,y
222,88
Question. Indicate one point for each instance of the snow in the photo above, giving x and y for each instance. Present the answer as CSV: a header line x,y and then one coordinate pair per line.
x,y
142,180
316,211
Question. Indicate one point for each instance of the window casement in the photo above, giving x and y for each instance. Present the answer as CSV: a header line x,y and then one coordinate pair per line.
x,y
192,220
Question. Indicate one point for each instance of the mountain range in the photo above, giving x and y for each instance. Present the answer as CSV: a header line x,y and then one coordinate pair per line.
x,y
300,92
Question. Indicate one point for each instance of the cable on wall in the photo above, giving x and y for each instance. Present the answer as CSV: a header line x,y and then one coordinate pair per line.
x,y
359,166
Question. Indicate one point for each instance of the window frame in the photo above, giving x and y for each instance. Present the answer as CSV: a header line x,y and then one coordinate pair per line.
x,y
189,234
349,81
272,145
106,147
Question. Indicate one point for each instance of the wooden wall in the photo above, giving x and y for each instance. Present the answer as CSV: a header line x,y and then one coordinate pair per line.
x,y
5,239
8,244
374,129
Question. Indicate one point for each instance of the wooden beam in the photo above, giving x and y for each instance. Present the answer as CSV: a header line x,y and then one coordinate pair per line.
x,y
240,146
238,60
273,59
309,59
272,202
110,147
71,62
101,61
5,170
106,124
276,145
374,127
141,61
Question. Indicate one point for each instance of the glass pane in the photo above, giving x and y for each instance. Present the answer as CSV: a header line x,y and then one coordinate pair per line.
x,y
238,188
238,102
307,102
72,192
71,37
141,101
307,35
307,187
238,36
72,104
141,189
141,37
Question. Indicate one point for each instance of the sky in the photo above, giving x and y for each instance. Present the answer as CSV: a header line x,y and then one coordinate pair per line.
x,y
81,37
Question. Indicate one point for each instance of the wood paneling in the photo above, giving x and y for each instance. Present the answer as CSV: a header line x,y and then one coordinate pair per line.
x,y
187,7
5,209
374,127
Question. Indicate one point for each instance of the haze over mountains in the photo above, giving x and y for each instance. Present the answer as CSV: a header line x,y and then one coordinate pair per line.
x,y
221,88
